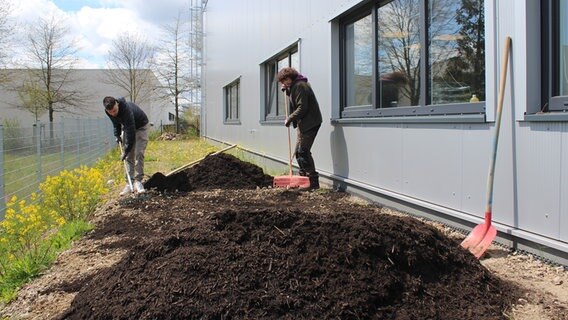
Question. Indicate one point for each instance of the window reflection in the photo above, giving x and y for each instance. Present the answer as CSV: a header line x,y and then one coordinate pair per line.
x,y
274,97
399,53
456,63
282,63
424,53
234,107
272,88
358,62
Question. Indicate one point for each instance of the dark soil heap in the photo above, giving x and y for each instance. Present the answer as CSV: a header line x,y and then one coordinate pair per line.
x,y
280,254
215,171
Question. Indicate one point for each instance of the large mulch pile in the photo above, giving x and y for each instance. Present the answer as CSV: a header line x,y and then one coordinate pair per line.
x,y
215,171
267,253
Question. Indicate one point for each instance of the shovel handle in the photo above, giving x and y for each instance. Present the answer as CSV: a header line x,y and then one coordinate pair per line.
x,y
502,83
126,168
289,138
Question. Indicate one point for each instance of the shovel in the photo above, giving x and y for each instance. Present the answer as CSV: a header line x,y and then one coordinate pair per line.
x,y
290,181
126,169
483,234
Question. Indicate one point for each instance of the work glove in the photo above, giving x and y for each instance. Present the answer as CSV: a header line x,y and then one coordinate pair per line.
x,y
118,139
287,122
123,157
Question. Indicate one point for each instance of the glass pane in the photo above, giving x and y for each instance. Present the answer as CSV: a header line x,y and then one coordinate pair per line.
x,y
272,89
359,62
295,60
282,63
234,101
227,103
456,35
563,45
398,38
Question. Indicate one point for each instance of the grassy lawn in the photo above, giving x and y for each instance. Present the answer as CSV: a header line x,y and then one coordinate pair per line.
x,y
165,156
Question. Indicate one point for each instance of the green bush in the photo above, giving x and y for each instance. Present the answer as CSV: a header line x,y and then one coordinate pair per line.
x,y
13,134
32,233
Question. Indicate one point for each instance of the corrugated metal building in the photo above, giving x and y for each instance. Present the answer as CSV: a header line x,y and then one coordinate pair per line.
x,y
425,148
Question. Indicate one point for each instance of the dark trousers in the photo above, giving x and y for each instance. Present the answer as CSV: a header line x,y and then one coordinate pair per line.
x,y
304,143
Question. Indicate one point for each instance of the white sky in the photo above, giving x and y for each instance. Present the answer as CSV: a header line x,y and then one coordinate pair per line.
x,y
96,23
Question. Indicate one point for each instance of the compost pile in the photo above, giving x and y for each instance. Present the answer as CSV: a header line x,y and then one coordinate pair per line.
x,y
268,253
215,171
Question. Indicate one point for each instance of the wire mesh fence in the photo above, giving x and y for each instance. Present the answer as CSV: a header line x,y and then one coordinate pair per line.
x,y
30,154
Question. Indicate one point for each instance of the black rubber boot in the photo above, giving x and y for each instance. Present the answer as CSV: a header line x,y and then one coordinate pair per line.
x,y
314,182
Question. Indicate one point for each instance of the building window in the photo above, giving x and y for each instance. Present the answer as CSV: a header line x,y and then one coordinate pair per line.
x,y
413,57
232,101
171,116
555,55
274,102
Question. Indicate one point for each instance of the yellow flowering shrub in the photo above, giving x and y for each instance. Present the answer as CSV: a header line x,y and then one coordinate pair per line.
x,y
74,194
33,231
25,229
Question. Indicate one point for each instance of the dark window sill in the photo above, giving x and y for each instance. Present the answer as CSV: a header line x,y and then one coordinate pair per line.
x,y
546,117
467,118
273,121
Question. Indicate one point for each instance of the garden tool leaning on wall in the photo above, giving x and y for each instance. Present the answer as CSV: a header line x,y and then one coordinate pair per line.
x,y
483,234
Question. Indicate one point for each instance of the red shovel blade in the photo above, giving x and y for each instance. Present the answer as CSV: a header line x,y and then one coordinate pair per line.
x,y
481,247
479,239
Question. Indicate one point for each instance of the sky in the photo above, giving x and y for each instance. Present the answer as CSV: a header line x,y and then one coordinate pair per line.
x,y
94,24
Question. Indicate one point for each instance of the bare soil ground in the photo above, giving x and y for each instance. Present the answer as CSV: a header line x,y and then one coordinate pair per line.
x,y
214,242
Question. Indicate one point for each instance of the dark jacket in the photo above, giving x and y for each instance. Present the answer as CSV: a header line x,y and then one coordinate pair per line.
x,y
305,111
129,118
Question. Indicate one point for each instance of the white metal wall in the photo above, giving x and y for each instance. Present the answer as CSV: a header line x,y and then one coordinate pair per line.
x,y
439,166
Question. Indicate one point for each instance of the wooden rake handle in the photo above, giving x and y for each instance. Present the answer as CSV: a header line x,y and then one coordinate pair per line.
x,y
289,138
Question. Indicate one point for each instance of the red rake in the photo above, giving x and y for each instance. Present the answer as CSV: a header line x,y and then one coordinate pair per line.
x,y
483,234
290,181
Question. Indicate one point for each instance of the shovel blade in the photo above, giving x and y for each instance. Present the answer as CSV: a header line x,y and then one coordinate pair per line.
x,y
479,239
291,182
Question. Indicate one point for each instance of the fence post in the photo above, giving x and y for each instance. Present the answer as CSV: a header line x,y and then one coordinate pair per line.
x,y
78,135
37,135
89,141
2,194
62,144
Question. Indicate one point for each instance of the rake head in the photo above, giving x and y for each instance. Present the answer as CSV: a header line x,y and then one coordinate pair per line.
x,y
291,182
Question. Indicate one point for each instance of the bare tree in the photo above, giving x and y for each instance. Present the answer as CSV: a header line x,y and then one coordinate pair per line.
x,y
52,57
172,66
129,64
400,43
6,30
33,98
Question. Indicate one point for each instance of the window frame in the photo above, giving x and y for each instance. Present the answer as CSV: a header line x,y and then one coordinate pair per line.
x,y
454,112
227,102
551,100
266,67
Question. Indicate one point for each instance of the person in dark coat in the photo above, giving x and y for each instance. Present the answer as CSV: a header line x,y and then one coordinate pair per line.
x,y
128,117
305,116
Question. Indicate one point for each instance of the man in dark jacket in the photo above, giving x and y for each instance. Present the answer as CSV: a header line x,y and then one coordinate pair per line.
x,y
305,116
128,117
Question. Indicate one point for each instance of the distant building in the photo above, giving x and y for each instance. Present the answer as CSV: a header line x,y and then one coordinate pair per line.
x,y
91,87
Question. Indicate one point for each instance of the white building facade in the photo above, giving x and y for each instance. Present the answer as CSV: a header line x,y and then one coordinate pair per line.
x,y
408,90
